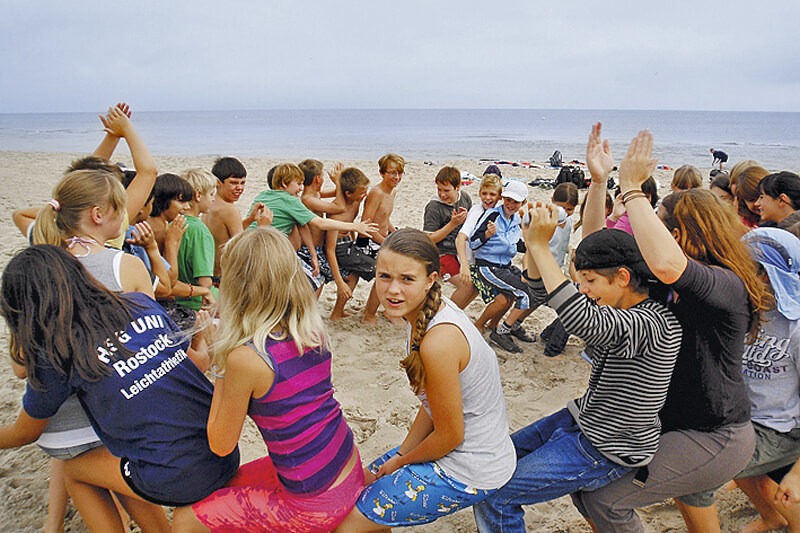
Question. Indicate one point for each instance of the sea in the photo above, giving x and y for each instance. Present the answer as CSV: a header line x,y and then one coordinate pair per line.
x,y
532,135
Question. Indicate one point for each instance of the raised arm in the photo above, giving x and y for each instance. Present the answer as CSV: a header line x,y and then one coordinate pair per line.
x,y
110,141
116,122
658,246
143,236
537,235
600,163
24,217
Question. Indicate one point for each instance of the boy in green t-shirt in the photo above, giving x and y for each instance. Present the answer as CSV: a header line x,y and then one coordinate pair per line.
x,y
286,182
196,252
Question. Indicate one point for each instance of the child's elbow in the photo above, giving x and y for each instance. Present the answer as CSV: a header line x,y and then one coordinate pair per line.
x,y
221,447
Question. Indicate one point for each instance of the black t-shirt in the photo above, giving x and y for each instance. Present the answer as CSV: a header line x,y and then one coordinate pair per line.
x,y
707,390
722,156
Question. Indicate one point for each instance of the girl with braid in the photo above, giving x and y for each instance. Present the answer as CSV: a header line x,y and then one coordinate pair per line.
x,y
458,450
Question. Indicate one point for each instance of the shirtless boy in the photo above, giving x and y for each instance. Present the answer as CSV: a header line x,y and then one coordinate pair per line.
x,y
224,219
315,199
378,209
351,191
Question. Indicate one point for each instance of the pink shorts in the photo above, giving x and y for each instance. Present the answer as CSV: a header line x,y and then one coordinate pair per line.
x,y
254,500
449,265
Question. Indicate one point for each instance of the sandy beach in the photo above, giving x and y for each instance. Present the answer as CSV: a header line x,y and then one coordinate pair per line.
x,y
370,384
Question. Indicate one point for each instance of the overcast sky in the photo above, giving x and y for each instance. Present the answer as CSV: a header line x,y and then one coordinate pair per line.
x,y
264,54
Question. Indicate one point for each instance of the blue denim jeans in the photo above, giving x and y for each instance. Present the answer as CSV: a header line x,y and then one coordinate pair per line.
x,y
554,458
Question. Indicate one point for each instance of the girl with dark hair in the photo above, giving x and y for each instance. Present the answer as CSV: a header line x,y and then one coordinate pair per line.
x,y
129,366
779,199
745,177
458,450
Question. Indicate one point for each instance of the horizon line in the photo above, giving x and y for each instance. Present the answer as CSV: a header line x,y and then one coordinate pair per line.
x,y
234,110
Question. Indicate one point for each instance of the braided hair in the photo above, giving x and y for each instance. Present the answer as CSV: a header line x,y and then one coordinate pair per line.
x,y
417,245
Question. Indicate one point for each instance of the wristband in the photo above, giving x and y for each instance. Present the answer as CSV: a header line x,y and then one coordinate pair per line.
x,y
632,195
216,374
191,291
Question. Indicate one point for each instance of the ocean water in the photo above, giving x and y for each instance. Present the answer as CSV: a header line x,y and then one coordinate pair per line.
x,y
681,137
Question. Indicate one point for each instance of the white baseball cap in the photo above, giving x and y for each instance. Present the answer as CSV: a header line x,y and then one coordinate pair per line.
x,y
516,190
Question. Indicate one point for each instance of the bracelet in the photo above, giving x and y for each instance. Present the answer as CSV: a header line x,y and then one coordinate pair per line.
x,y
191,291
399,454
216,374
632,195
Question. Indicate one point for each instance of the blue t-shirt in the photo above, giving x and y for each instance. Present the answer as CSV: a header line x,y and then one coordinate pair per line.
x,y
151,409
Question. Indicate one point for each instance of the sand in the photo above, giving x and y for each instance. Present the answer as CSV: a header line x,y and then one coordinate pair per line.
x,y
370,385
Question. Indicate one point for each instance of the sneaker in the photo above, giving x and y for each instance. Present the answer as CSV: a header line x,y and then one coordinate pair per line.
x,y
520,333
505,342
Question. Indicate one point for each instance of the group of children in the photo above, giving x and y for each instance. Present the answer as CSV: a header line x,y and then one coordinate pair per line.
x,y
116,391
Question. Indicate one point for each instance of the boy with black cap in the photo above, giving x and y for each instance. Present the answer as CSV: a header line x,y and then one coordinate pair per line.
x,y
633,342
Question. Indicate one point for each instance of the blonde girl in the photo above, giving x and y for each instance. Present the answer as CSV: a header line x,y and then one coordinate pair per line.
x,y
273,364
686,177
86,211
458,450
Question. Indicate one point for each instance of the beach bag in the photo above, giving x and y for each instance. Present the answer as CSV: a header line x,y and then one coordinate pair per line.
x,y
354,260
556,160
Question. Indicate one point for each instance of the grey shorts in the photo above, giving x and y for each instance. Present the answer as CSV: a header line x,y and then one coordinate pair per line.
x,y
70,452
773,450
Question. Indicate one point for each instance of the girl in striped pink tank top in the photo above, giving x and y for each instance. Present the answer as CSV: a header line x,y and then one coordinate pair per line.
x,y
272,352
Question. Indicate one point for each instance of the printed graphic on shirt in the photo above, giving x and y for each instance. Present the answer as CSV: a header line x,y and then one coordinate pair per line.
x,y
165,339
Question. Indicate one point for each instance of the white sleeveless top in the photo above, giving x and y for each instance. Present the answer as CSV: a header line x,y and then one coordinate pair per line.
x,y
486,458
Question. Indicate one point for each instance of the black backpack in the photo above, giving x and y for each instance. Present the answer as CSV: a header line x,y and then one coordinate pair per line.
x,y
556,160
571,174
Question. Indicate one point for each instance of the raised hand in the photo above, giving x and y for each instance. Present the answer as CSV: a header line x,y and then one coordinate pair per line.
x,y
598,154
458,216
264,215
618,210
638,163
125,108
543,221
336,172
175,230
491,230
143,235
116,122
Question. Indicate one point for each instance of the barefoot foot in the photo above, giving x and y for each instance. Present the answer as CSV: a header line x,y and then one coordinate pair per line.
x,y
762,526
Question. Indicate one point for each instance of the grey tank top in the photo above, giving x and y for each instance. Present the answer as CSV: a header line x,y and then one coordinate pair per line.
x,y
486,458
